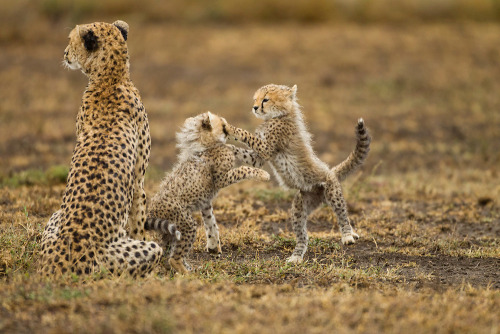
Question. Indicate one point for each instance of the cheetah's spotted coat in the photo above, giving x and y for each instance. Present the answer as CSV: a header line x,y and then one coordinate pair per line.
x,y
285,143
206,165
104,191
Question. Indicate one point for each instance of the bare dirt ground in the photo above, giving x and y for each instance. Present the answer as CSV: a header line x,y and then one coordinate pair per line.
x,y
425,204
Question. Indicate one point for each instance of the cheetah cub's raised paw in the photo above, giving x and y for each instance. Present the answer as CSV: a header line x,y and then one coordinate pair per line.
x,y
264,176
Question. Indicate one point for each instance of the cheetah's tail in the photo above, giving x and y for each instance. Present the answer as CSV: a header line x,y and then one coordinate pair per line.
x,y
358,156
158,224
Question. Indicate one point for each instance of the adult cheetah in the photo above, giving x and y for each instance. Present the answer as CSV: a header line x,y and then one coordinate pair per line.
x,y
104,190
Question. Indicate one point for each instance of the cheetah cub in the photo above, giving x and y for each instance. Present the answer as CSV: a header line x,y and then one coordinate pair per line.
x,y
205,165
284,142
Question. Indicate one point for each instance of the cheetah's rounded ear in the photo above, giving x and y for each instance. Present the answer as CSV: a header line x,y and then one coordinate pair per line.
x,y
206,123
90,40
123,27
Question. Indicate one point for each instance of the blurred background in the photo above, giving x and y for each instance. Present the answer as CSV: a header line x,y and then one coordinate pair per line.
x,y
423,74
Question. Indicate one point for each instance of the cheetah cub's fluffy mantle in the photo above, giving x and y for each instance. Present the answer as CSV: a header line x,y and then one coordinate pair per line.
x,y
104,190
205,165
285,143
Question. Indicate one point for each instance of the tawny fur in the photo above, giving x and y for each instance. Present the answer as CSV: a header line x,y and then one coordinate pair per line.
x,y
104,193
205,165
284,142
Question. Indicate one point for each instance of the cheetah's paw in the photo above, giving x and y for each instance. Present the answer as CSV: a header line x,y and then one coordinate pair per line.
x,y
227,128
178,266
216,250
350,238
264,176
294,259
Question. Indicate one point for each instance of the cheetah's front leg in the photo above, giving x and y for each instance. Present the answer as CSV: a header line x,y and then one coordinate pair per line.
x,y
264,147
211,229
137,216
248,157
242,173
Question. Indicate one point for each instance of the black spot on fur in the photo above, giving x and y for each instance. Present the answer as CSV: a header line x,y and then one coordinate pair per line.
x,y
90,41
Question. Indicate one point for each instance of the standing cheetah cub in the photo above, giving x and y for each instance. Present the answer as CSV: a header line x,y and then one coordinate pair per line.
x,y
285,143
205,165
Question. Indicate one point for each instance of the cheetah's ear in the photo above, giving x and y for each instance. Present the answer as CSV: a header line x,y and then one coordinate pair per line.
x,y
123,27
206,123
294,92
90,40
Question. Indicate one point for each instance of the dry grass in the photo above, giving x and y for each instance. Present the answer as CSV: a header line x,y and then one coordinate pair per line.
x,y
426,204
193,305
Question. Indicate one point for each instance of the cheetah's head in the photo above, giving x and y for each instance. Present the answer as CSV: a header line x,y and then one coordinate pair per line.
x,y
200,133
98,49
273,101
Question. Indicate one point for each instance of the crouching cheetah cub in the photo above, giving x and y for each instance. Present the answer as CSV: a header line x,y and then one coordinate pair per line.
x,y
205,165
285,143
104,191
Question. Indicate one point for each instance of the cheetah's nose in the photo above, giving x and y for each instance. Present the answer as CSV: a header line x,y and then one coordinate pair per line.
x,y
255,108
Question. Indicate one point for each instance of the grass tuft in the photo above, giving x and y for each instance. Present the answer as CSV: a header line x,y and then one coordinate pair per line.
x,y
30,177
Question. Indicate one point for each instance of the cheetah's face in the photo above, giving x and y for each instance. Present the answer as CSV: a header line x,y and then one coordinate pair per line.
x,y
73,54
273,101
90,44
212,129
199,133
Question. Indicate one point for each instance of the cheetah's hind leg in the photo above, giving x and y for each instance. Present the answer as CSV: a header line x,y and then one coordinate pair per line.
x,y
171,211
335,198
187,226
135,257
303,204
180,250
49,236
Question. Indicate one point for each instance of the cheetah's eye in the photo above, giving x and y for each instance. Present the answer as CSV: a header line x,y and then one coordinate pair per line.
x,y
265,100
